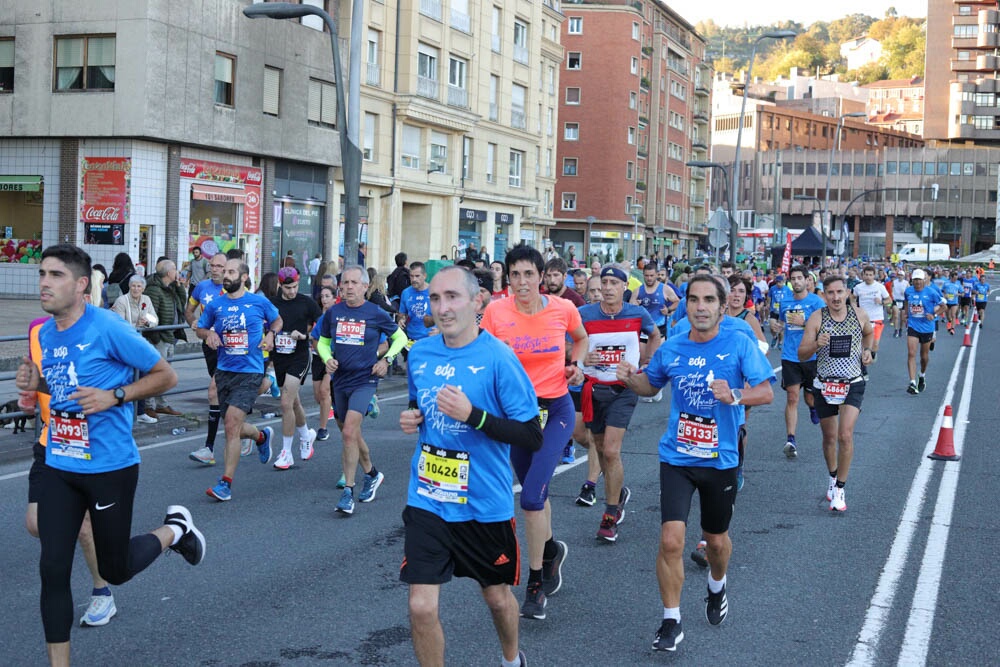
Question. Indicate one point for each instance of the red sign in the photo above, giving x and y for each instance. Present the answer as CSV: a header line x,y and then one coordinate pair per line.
x,y
786,259
222,173
104,189
251,211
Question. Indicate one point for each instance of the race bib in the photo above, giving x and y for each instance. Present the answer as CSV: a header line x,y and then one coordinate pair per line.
x,y
350,333
698,436
543,416
69,435
236,342
443,475
916,309
611,355
284,344
834,393
794,327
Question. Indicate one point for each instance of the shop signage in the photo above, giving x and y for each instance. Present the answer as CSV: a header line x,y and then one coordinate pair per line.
x,y
504,218
471,214
103,234
104,190
204,170
20,183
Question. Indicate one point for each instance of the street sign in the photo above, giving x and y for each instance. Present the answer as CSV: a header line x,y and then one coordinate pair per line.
x,y
718,229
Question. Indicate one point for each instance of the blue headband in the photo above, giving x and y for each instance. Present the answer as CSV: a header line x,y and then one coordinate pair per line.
x,y
614,272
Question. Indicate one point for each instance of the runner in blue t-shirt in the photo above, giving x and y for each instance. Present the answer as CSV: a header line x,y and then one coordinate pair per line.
x,y
981,292
415,307
777,293
965,300
89,359
708,371
349,338
793,312
234,325
922,304
469,396
951,291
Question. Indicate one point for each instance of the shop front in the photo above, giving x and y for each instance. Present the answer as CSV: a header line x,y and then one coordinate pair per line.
x,y
300,205
502,238
608,246
363,205
469,230
568,244
21,198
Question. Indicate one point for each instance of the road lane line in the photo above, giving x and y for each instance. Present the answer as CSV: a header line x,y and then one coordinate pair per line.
x,y
921,622
866,649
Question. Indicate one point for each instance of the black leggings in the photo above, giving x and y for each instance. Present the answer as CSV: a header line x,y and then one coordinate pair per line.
x,y
64,498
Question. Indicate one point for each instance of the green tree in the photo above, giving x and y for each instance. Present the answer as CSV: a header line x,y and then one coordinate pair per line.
x,y
849,27
903,52
869,73
727,65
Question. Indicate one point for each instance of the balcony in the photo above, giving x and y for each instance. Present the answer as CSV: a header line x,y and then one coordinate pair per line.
x,y
518,119
373,75
458,97
987,63
460,21
698,200
642,152
701,89
700,116
988,40
431,8
521,54
640,186
672,31
427,87
644,83
698,143
698,173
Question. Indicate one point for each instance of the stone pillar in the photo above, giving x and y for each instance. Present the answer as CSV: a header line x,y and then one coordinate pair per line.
x,y
856,252
175,246
890,222
69,190
966,243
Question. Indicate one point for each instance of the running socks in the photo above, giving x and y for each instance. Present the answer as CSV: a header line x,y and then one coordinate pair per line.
x,y
672,612
261,436
611,509
286,443
534,576
716,586
213,427
551,550
373,472
303,432
101,591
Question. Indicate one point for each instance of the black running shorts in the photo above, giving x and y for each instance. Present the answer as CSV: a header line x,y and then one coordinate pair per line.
x,y
613,406
239,390
35,472
295,365
798,372
855,395
922,338
716,493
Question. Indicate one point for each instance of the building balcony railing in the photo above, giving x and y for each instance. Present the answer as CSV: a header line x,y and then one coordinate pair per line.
x,y
427,87
521,54
988,40
373,75
680,68
674,32
431,8
640,186
461,21
494,112
642,152
700,116
701,89
518,119
698,173
698,143
644,83
698,200
458,97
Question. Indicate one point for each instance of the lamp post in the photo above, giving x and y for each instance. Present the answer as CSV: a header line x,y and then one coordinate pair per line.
x,y
707,164
829,169
350,153
735,190
815,201
636,210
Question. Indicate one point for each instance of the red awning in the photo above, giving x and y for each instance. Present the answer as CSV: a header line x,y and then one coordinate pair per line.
x,y
219,194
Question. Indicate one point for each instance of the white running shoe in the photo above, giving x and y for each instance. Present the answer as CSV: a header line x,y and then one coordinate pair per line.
x,y
100,611
306,446
203,455
285,460
246,447
829,489
838,504
143,418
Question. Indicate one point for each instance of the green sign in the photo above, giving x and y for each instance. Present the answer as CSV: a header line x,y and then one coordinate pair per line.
x,y
20,183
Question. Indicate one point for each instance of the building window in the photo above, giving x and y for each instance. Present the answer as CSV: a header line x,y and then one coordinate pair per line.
x,y
272,91
635,30
552,80
439,152
84,63
322,103
466,158
372,74
494,106
569,166
225,69
569,201
571,132
458,95
521,42
410,149
431,8
427,71
573,60
516,165
633,100
497,32
548,163
572,96
368,140
575,25
518,114
6,65
460,15
491,162
629,170
634,66
631,135
313,21
550,121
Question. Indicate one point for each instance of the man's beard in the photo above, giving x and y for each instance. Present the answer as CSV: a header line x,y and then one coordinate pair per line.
x,y
231,286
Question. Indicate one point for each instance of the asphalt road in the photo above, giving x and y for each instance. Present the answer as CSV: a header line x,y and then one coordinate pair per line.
x,y
905,576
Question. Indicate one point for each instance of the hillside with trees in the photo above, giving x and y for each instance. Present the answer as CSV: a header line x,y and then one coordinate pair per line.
x,y
817,47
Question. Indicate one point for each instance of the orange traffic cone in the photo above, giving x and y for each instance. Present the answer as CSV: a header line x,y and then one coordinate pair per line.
x,y
945,448
967,341
975,316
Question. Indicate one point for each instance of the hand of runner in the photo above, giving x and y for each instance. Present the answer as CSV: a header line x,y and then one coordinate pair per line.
x,y
593,358
93,400
775,327
823,339
454,403
574,376
721,391
866,357
27,375
267,344
410,420
213,340
332,365
381,368
625,371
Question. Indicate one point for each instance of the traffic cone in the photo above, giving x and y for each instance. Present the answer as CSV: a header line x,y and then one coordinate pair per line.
x,y
945,448
975,316
967,341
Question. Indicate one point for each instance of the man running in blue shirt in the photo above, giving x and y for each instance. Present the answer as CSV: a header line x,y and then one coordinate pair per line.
x,y
777,293
981,293
922,304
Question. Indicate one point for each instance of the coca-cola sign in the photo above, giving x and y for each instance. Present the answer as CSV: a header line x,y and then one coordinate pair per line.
x,y
104,189
203,170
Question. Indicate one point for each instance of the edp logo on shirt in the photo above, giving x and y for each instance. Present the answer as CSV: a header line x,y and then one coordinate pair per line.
x,y
447,371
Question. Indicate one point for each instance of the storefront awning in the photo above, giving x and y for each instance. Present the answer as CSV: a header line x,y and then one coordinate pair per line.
x,y
20,183
219,194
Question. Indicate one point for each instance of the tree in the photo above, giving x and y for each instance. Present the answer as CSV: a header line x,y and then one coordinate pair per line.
x,y
869,73
849,27
727,65
903,52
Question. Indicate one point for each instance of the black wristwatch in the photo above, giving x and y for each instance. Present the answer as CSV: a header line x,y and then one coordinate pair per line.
x,y
120,395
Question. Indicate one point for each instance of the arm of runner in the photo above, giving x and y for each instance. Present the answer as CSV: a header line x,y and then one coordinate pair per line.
x,y
527,434
397,341
635,379
867,337
651,346
812,339
760,394
323,349
160,378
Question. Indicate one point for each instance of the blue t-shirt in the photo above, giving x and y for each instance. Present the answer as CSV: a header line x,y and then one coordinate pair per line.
x,y
415,304
777,294
968,286
100,350
918,305
702,431
240,324
653,302
793,332
982,291
951,291
354,335
457,472
206,291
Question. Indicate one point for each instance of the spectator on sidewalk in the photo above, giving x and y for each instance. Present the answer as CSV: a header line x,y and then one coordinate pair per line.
x,y
168,299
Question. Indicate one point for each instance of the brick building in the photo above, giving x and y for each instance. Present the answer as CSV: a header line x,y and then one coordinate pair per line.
x,y
897,104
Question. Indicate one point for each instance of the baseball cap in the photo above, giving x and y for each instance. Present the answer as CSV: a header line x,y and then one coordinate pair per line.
x,y
918,274
288,275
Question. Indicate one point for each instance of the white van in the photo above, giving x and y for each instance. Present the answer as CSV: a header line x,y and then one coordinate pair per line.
x,y
917,252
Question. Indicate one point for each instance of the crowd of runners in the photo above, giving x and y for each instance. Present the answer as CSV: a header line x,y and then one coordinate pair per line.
x,y
511,366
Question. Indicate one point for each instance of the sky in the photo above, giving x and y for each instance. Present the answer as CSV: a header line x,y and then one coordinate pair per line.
x,y
739,12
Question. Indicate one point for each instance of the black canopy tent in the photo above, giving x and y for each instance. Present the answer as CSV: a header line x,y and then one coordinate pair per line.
x,y
808,244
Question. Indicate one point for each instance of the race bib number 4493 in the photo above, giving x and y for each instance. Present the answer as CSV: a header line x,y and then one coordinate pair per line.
x,y
70,436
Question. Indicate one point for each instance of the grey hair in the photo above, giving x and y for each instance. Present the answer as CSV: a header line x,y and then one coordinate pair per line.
x,y
137,279
163,268
329,276
360,269
469,278
719,278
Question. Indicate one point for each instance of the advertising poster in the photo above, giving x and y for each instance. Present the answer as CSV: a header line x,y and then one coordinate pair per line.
x,y
104,195
218,232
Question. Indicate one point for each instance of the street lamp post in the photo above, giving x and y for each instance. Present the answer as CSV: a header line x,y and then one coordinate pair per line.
x,y
350,153
707,164
636,210
829,170
735,189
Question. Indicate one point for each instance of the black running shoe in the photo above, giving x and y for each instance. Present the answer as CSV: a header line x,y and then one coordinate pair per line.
x,y
587,497
192,542
668,636
623,499
716,606
921,383
552,570
534,602
912,388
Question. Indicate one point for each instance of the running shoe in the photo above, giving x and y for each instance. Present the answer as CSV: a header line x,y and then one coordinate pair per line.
x,y
346,504
246,447
790,450
623,499
932,344
830,488
534,602
192,542
522,660
100,611
373,410
342,482
716,606
668,636
838,503
284,460
322,435
221,491
951,329
370,486
700,554
264,448
203,455
552,570
912,388
143,418
275,389
588,496
569,454
609,528
739,479
921,383
306,446
813,416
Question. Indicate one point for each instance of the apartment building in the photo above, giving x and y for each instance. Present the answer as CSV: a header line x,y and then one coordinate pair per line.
x,y
635,98
962,71
897,104
153,127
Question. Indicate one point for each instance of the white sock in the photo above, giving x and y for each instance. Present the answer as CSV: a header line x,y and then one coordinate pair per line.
x,y
178,533
286,443
716,586
672,612
303,432
516,662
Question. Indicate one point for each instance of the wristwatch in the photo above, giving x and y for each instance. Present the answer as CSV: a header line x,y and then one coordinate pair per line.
x,y
120,395
737,396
